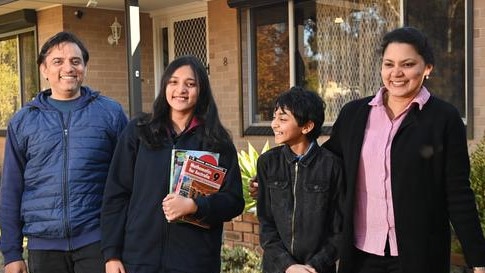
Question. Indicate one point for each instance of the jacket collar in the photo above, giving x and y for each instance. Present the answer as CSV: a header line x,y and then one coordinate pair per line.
x,y
193,125
40,101
420,99
305,159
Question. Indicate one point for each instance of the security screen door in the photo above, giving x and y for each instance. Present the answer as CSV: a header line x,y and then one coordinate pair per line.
x,y
190,37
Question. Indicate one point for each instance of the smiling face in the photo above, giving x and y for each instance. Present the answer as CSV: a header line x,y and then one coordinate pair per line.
x,y
182,91
286,129
64,68
403,70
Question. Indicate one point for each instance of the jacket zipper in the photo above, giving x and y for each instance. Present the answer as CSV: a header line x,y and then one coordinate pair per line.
x,y
294,210
65,185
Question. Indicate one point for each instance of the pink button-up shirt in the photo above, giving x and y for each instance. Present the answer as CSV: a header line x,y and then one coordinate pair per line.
x,y
374,214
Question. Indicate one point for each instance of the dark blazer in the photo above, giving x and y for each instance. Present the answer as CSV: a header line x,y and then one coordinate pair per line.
x,y
430,185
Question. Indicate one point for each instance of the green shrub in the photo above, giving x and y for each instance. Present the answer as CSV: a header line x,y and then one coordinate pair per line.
x,y
247,163
239,259
477,178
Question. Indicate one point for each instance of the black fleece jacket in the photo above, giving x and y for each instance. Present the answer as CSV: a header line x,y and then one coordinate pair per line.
x,y
134,228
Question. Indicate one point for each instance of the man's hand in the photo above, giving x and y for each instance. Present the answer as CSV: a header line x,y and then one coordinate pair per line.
x,y
253,187
16,267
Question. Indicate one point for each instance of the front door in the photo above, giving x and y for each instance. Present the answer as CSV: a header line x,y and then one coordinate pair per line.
x,y
181,31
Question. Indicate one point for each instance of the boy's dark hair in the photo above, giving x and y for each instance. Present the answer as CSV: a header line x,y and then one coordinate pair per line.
x,y
58,39
305,106
411,36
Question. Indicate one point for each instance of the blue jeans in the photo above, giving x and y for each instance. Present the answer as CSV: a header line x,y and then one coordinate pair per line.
x,y
87,259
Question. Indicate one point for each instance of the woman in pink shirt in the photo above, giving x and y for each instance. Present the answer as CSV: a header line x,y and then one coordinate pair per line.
x,y
407,171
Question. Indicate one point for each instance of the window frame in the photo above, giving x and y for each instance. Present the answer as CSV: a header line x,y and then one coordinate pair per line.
x,y
251,128
469,83
21,72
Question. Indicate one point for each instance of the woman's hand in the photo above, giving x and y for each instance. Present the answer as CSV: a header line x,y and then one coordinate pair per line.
x,y
114,266
175,206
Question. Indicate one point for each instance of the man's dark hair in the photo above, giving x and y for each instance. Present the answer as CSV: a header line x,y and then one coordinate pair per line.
x,y
58,39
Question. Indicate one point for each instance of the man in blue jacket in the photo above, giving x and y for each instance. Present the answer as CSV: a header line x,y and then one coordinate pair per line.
x,y
57,155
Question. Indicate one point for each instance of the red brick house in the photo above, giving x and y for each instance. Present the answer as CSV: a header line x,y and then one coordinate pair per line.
x,y
247,47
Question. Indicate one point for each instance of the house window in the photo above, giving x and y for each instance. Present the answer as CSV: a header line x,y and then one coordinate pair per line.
x,y
446,29
19,78
333,48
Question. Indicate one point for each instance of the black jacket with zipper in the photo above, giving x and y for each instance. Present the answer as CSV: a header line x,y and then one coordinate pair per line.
x,y
298,208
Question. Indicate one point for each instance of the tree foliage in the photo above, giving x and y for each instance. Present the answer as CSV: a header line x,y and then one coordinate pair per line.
x,y
273,66
9,81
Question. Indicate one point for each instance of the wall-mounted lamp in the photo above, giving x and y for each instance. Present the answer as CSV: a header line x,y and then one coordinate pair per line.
x,y
115,32
78,13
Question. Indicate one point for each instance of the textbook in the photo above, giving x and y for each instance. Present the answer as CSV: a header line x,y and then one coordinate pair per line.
x,y
178,158
199,178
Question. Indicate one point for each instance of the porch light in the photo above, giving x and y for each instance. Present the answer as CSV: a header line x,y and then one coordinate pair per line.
x,y
115,32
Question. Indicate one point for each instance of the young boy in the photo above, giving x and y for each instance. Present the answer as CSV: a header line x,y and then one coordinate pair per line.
x,y
297,196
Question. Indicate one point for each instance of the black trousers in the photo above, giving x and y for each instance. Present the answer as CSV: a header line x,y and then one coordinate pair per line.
x,y
87,259
370,263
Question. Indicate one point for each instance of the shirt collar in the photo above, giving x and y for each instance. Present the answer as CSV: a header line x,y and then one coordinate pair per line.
x,y
299,157
421,98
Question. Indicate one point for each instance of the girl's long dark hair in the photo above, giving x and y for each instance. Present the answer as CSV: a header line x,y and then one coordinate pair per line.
x,y
153,128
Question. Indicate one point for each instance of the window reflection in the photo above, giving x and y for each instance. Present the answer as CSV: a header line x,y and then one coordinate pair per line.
x,y
272,58
447,37
19,78
348,39
10,100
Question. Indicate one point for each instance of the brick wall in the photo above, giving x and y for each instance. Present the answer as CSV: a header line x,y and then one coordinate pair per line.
x,y
243,231
224,63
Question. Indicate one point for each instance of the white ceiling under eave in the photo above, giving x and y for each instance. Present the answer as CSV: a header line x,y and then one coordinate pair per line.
x,y
145,5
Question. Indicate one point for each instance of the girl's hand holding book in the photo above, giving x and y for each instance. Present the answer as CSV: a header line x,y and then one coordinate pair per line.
x,y
175,206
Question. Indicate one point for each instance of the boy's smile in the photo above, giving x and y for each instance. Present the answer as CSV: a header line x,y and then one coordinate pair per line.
x,y
286,131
